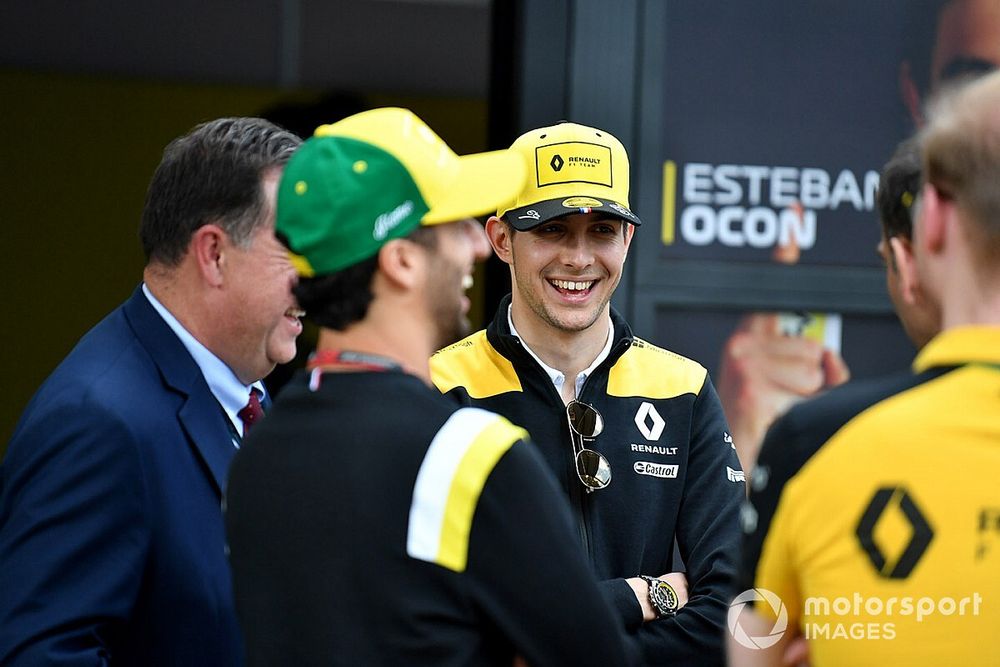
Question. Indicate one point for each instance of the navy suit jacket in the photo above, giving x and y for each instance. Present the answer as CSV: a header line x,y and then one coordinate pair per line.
x,y
112,545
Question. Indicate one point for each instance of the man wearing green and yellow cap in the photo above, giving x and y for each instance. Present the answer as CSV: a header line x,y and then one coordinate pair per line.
x,y
371,520
635,434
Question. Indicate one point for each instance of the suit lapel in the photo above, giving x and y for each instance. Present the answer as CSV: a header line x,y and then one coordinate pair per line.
x,y
201,416
209,434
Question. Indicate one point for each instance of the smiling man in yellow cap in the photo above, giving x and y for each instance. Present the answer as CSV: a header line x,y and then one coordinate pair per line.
x,y
371,520
634,433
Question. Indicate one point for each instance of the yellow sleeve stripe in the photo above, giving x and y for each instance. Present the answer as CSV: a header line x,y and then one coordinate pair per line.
x,y
450,481
477,464
474,364
650,371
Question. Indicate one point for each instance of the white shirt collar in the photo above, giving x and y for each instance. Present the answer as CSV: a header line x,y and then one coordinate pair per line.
x,y
222,381
558,379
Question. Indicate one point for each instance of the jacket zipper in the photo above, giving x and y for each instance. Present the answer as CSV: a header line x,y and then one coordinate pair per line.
x,y
576,493
583,506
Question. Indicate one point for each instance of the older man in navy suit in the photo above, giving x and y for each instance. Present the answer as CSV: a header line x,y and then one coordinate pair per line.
x,y
112,546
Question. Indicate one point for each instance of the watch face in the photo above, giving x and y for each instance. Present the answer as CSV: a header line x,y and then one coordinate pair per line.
x,y
665,597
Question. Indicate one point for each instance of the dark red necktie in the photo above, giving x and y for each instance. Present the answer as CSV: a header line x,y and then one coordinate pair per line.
x,y
251,413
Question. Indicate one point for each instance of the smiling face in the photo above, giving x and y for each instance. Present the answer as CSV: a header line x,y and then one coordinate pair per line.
x,y
459,246
261,317
565,270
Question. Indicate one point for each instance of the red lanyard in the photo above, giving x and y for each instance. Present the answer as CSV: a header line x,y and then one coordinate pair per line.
x,y
327,359
369,362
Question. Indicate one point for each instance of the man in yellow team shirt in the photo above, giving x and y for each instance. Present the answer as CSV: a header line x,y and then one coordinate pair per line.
x,y
874,518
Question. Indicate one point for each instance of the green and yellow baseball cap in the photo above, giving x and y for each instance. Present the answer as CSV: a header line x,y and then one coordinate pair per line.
x,y
576,169
376,176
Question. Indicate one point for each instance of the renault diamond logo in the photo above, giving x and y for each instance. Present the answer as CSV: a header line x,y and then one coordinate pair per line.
x,y
898,563
654,429
556,163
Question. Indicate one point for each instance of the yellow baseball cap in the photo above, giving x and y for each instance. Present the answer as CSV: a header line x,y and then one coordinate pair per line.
x,y
376,176
571,169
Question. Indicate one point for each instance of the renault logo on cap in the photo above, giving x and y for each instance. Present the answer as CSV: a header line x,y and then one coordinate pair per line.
x,y
574,162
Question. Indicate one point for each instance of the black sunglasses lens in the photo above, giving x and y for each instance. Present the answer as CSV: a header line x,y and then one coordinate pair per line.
x,y
585,419
593,469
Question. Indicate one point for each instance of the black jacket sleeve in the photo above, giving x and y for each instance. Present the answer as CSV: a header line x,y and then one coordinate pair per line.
x,y
530,576
708,535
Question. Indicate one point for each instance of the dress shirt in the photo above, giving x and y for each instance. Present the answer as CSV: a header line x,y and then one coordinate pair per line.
x,y
558,379
231,393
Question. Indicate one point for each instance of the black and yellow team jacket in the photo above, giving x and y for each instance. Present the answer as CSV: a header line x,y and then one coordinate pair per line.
x,y
373,522
874,514
675,474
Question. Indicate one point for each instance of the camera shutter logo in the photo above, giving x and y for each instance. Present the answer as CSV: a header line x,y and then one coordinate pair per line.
x,y
757,595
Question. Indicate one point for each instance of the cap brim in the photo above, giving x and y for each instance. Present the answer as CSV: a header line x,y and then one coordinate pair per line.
x,y
528,217
485,180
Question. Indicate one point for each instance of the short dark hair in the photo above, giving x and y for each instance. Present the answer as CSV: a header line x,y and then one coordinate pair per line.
x,y
212,174
898,188
337,300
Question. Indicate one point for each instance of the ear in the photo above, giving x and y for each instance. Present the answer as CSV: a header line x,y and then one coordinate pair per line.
x,y
500,239
935,211
905,266
403,263
207,249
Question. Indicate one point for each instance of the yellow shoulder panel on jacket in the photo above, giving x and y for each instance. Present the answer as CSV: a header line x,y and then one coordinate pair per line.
x,y
474,364
650,371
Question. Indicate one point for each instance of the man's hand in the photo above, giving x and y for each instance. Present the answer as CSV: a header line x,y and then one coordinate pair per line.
x,y
756,625
797,653
764,372
641,590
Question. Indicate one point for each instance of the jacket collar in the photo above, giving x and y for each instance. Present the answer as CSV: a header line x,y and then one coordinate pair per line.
x,y
499,335
228,389
201,416
959,346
